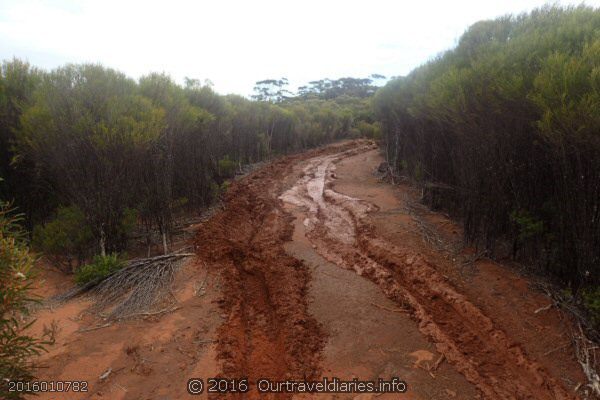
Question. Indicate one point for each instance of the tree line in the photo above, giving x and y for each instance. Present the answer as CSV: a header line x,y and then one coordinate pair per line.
x,y
88,154
503,132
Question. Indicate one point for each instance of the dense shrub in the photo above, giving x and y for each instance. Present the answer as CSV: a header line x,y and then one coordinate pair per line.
x,y
591,302
66,235
507,125
99,268
369,130
16,264
226,167
95,140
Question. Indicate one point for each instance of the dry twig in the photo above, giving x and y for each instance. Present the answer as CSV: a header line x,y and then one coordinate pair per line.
x,y
135,289
438,362
545,308
93,328
398,310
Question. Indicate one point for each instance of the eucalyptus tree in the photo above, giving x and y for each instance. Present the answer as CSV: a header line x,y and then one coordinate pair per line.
x,y
88,132
182,122
502,131
271,90
18,81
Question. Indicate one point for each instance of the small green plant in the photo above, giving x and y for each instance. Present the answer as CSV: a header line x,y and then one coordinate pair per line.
x,y
403,165
67,235
128,221
371,131
226,167
418,173
99,268
528,226
16,266
224,186
354,133
215,191
591,301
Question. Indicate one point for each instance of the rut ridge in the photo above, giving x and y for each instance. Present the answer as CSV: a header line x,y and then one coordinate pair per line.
x,y
269,331
483,353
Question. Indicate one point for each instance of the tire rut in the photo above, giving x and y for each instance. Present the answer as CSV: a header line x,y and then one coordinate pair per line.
x,y
468,338
268,332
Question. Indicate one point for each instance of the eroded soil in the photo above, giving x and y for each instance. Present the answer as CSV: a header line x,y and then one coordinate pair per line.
x,y
316,269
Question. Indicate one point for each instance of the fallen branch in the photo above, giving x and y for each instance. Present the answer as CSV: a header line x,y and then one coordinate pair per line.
x,y
557,349
204,341
94,328
584,337
586,356
145,314
135,289
545,308
398,310
438,362
105,375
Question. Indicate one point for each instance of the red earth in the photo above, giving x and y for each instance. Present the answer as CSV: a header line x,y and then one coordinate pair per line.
x,y
315,268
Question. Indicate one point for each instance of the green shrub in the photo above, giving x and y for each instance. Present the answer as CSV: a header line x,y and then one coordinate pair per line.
x,y
128,222
227,167
371,131
354,133
68,234
224,187
528,226
591,301
16,265
418,173
215,191
100,267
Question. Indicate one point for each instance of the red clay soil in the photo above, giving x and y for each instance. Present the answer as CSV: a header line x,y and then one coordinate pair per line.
x,y
269,332
150,357
271,315
467,337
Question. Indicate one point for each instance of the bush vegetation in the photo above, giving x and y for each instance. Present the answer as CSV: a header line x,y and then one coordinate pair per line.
x,y
16,266
67,234
99,268
510,121
86,145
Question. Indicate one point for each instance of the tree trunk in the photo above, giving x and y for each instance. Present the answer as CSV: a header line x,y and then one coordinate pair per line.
x,y
164,240
102,242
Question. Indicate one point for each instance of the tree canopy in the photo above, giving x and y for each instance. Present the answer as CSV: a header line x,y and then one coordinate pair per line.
x,y
86,141
509,120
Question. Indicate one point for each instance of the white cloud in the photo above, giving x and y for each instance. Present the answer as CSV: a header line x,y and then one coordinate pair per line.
x,y
235,43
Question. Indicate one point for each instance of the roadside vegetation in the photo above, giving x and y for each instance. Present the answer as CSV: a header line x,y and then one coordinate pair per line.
x,y
90,155
503,132
92,158
16,268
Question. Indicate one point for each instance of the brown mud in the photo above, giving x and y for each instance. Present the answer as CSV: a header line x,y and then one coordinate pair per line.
x,y
151,357
313,268
469,339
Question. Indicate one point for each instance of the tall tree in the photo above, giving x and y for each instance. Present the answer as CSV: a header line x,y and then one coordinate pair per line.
x,y
88,131
271,90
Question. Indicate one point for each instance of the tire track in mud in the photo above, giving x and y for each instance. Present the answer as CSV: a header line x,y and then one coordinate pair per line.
x,y
484,354
268,332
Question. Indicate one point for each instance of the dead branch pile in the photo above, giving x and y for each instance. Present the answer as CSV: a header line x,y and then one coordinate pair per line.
x,y
585,339
587,355
385,173
429,233
135,289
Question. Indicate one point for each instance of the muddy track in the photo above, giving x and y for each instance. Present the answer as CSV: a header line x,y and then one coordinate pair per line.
x,y
268,331
483,353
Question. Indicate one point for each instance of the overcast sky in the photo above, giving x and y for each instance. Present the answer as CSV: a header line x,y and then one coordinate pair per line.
x,y
235,43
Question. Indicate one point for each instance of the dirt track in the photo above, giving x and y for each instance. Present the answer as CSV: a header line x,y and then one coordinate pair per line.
x,y
270,332
315,269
